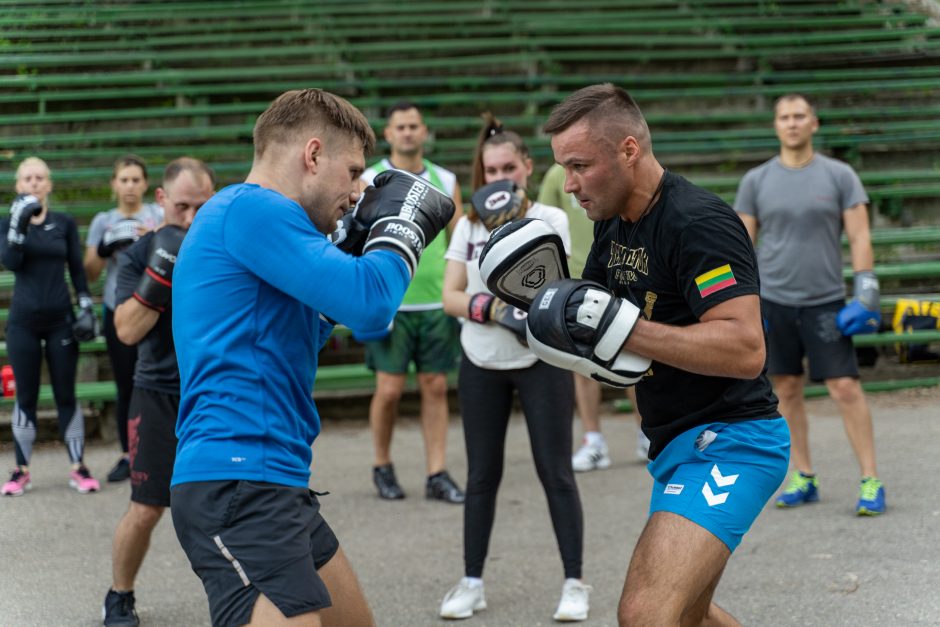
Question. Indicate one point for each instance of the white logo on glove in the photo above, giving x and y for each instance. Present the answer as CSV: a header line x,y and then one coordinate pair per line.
x,y
161,252
546,301
402,231
497,199
413,199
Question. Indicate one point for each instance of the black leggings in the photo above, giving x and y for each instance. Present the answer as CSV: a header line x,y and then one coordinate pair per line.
x,y
547,397
123,361
25,345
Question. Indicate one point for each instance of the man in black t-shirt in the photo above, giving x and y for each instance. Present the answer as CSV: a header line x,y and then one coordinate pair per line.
x,y
678,284
144,317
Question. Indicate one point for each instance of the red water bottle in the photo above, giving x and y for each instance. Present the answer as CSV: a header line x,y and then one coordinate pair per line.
x,y
7,380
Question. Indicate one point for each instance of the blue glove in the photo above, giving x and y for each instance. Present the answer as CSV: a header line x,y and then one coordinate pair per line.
x,y
373,336
855,319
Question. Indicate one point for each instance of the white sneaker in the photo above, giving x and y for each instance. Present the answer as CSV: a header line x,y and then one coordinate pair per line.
x,y
462,600
574,601
642,445
591,457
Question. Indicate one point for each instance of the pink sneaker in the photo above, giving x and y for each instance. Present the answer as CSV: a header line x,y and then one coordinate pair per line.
x,y
82,480
17,485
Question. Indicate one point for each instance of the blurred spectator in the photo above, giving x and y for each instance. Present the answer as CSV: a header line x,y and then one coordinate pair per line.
x,y
110,232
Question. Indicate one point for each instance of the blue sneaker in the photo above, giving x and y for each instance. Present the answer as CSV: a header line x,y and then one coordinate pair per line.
x,y
871,497
801,489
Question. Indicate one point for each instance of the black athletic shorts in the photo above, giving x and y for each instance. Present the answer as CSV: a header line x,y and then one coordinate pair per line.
x,y
151,445
795,332
248,537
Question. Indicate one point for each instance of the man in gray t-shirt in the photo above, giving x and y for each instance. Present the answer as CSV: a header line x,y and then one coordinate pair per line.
x,y
799,202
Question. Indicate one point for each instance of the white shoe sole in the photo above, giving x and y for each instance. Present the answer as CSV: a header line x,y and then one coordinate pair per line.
x,y
602,464
464,614
74,484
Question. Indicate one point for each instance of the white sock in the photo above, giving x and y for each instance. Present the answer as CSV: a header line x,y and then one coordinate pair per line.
x,y
594,438
472,582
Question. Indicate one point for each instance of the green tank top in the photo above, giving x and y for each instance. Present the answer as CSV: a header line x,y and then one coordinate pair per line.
x,y
428,282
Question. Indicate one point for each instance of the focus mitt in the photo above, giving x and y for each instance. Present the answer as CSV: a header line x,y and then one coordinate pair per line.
x,y
520,258
581,326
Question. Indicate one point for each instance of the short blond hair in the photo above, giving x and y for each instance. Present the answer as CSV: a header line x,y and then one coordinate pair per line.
x,y
310,110
32,161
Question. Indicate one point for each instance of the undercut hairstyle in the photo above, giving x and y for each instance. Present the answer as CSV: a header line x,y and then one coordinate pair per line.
x,y
401,105
795,96
129,159
28,161
612,113
492,134
305,110
187,164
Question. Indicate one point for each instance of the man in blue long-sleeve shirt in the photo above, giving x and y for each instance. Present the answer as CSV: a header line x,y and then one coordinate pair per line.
x,y
256,287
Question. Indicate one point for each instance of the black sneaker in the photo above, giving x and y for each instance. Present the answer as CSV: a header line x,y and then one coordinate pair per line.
x,y
119,609
385,481
442,488
121,471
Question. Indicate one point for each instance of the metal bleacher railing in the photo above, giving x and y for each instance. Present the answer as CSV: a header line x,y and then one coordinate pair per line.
x,y
84,82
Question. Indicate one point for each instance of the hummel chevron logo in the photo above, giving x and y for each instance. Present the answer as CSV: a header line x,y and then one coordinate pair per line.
x,y
712,498
721,481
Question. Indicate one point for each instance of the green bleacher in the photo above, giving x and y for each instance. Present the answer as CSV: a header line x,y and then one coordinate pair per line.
x,y
83,82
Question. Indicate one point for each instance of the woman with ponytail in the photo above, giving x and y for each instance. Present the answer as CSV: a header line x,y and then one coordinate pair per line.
x,y
496,364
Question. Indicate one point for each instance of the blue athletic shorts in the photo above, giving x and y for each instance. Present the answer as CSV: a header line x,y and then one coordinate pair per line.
x,y
720,475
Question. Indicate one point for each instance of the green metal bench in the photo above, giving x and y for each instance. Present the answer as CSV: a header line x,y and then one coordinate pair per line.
x,y
288,31
92,392
672,44
718,141
96,346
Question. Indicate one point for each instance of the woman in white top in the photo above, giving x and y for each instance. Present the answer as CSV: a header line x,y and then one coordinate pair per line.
x,y
496,364
109,233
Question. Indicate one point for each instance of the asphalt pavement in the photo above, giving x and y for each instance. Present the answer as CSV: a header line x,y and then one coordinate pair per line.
x,y
819,565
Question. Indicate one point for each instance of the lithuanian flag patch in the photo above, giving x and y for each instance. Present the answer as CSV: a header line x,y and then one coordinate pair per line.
x,y
715,280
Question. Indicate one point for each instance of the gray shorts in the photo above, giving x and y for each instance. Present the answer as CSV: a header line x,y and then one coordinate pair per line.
x,y
245,538
797,332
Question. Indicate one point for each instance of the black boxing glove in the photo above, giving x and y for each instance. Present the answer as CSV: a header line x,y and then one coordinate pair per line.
x,y
155,289
510,318
349,235
86,326
498,203
117,236
402,213
24,207
485,308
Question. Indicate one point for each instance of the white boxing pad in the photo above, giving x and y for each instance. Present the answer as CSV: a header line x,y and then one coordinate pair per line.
x,y
520,258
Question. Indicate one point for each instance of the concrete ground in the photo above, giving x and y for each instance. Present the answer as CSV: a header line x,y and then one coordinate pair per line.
x,y
816,566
